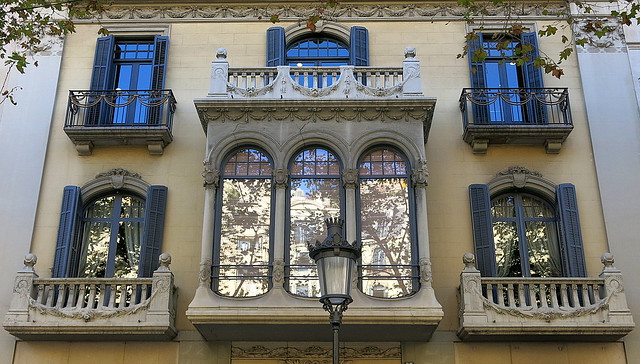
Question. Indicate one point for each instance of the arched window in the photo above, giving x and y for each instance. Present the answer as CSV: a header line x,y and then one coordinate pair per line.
x,y
242,253
525,236
315,194
112,229
317,50
386,229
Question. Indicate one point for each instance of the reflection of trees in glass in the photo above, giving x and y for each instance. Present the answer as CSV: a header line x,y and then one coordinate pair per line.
x,y
524,229
243,255
112,233
314,195
385,225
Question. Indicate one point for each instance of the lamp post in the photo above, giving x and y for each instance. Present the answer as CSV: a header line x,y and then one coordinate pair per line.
x,y
336,261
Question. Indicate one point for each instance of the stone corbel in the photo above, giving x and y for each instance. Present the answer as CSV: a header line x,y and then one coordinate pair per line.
x,y
420,175
281,178
210,175
350,178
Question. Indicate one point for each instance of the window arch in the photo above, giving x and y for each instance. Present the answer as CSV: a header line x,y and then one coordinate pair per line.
x,y
317,50
117,232
242,252
315,193
386,225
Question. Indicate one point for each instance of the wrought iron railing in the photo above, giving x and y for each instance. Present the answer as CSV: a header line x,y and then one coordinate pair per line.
x,y
120,108
515,106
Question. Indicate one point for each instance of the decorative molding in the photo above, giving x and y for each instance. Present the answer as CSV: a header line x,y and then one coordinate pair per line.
x,y
210,175
420,175
418,10
313,352
426,277
278,271
204,275
117,175
350,178
612,42
281,178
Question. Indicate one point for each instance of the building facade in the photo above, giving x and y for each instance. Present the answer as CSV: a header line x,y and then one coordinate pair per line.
x,y
195,151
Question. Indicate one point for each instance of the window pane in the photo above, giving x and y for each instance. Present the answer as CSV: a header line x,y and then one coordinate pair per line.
x,y
248,162
505,235
244,243
543,250
385,233
127,255
95,244
102,208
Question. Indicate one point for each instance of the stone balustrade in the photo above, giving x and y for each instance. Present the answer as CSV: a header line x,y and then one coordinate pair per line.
x,y
540,308
55,308
343,82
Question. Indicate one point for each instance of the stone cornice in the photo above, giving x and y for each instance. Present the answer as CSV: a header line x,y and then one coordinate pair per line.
x,y
294,11
242,111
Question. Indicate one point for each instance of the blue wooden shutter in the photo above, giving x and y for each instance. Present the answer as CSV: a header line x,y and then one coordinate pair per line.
x,y
359,46
482,229
161,44
570,234
536,111
101,79
67,241
478,79
153,231
276,47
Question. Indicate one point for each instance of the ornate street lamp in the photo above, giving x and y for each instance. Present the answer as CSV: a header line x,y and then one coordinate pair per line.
x,y
336,261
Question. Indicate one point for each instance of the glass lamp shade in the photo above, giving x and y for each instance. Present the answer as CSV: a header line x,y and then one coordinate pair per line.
x,y
335,273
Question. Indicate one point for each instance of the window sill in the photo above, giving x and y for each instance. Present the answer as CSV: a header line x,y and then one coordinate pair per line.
x,y
551,136
156,138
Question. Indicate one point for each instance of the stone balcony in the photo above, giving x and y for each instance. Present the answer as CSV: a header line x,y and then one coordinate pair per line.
x,y
542,309
92,308
291,94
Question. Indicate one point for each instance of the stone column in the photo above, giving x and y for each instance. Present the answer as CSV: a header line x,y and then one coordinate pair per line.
x,y
350,181
281,180
419,180
211,181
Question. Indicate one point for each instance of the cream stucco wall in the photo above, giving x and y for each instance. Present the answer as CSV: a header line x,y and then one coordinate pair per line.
x,y
452,166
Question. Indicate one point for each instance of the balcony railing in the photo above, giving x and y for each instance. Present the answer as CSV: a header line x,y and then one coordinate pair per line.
x,y
85,308
120,117
543,308
516,116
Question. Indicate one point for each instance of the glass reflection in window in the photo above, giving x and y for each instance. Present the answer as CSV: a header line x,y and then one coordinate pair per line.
x,y
315,194
242,260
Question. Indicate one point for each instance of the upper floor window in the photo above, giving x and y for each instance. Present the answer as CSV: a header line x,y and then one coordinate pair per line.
x,y
131,68
242,253
518,233
116,234
504,83
386,228
315,194
318,49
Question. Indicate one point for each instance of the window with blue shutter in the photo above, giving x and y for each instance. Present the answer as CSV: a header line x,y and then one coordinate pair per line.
x,y
499,83
519,234
134,67
117,234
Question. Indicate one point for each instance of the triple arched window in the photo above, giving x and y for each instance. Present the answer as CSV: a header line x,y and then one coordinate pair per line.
x,y
244,246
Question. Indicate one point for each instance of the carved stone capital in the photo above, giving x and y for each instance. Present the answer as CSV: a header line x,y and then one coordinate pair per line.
x,y
281,178
420,175
210,175
425,272
204,275
350,178
278,272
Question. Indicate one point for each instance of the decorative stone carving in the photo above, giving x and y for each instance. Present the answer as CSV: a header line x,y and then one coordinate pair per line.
x,y
315,352
281,178
211,175
607,260
205,272
163,262
420,174
424,11
278,272
350,178
469,261
117,176
425,272
221,54
519,175
409,53
29,261
611,42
